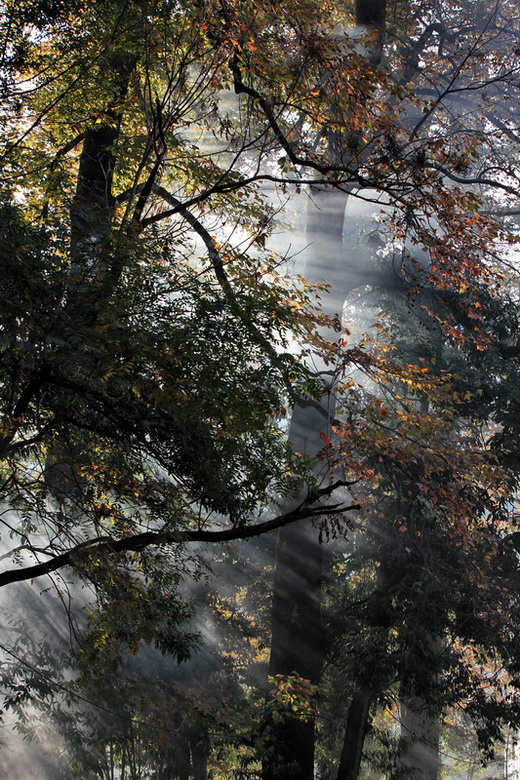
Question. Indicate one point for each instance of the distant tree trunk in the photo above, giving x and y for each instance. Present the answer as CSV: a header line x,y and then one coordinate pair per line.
x,y
421,732
297,644
298,640
371,680
355,731
197,735
184,764
200,756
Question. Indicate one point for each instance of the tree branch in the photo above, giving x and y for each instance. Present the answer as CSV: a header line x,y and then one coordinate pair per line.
x,y
146,539
27,395
199,228
220,273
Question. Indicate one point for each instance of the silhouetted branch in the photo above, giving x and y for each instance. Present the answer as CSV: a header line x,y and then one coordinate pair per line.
x,y
146,539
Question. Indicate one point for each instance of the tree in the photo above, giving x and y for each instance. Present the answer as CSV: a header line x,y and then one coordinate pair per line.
x,y
300,570
129,364
146,349
427,585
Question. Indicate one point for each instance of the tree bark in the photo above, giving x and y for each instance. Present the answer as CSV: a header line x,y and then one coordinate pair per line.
x,y
298,643
199,755
421,733
93,203
355,731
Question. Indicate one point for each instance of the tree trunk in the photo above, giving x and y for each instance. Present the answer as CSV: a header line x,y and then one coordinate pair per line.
x,y
371,679
93,203
355,731
421,733
199,756
297,640
97,266
297,644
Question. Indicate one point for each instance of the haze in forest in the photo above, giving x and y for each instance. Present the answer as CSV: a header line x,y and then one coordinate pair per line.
x,y
259,395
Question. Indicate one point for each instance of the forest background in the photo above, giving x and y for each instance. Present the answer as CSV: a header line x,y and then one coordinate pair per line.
x,y
259,395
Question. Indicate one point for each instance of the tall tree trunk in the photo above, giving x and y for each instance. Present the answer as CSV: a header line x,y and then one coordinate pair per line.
x,y
371,680
355,731
97,267
95,270
93,203
298,642
420,732
199,755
